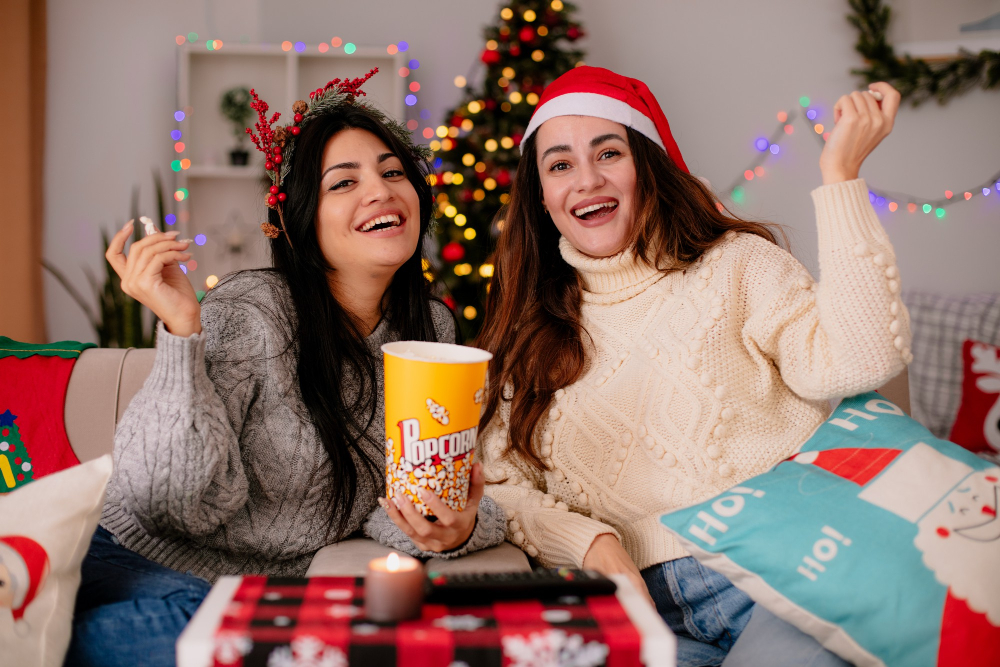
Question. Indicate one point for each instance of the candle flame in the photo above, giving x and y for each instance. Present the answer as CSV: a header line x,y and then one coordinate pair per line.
x,y
392,562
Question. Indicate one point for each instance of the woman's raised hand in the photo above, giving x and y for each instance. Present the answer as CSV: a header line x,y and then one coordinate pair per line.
x,y
860,123
151,275
607,556
451,530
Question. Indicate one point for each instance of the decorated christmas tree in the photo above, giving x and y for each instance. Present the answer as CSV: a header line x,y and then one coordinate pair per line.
x,y
15,464
476,149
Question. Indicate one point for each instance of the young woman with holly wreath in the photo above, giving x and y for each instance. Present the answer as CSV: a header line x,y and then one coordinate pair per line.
x,y
652,351
258,437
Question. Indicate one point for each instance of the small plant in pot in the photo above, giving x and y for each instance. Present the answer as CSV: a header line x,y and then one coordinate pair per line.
x,y
235,106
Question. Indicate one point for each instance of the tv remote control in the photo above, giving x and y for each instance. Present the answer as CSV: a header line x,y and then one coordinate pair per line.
x,y
476,588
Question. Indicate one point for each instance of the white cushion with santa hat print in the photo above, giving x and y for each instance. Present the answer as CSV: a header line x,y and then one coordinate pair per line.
x,y
875,537
45,531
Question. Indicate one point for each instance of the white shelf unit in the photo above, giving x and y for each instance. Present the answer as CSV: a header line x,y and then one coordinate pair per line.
x,y
225,202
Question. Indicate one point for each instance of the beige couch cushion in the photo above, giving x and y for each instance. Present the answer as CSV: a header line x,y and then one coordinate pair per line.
x,y
350,559
103,382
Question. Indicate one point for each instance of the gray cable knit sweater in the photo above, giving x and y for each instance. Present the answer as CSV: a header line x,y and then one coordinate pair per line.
x,y
218,466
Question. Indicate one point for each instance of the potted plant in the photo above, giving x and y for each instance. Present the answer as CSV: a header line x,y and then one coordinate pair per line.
x,y
235,106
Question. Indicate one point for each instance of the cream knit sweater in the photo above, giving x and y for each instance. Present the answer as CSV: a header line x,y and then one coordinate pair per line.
x,y
700,379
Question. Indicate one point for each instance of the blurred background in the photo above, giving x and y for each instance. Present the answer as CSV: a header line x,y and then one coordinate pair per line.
x,y
118,108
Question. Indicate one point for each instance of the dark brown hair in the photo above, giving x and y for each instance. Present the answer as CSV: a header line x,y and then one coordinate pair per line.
x,y
532,324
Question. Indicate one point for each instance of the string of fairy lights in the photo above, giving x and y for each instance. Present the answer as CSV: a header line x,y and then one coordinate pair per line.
x,y
767,148
881,198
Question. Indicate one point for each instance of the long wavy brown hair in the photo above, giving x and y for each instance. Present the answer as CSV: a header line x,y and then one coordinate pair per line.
x,y
532,324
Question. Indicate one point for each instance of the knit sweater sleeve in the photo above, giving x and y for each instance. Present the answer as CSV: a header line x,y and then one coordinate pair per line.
x,y
177,451
488,532
847,333
543,528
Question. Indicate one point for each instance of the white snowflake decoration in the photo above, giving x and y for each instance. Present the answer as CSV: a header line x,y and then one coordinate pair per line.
x,y
307,651
231,646
343,611
553,648
463,622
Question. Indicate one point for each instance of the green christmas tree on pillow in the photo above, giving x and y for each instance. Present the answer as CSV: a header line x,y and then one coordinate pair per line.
x,y
15,464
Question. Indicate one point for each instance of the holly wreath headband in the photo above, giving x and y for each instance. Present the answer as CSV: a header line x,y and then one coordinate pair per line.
x,y
278,143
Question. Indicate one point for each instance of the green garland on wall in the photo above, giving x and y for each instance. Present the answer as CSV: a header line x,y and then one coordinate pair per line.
x,y
916,79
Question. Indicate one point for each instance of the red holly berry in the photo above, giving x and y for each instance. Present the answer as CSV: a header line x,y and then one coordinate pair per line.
x,y
271,200
490,57
297,118
17,460
269,165
6,433
277,150
277,159
574,33
453,252
295,130
527,34
282,196
273,189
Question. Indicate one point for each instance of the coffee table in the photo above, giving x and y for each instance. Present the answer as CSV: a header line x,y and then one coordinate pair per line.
x,y
199,645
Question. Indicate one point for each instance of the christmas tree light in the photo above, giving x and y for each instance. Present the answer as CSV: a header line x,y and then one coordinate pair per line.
x,y
529,45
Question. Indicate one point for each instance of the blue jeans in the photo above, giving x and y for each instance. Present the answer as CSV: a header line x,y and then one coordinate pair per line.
x,y
712,619
129,610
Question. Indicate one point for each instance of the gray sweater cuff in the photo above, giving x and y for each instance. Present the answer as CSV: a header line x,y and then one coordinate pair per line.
x,y
490,530
179,365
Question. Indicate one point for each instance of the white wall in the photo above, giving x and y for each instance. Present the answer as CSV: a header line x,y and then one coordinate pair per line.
x,y
721,71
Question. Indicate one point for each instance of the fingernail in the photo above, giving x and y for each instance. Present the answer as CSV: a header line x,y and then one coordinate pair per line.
x,y
172,233
128,224
382,502
185,240
396,502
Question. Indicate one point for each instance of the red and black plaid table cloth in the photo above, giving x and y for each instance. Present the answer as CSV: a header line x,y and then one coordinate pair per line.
x,y
319,622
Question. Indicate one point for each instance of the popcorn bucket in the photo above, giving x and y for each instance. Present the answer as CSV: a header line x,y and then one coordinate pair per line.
x,y
433,399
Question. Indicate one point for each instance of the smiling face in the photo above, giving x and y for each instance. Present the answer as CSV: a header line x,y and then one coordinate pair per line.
x,y
588,182
368,220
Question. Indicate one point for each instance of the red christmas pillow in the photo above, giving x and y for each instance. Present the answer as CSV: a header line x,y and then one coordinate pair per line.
x,y
977,425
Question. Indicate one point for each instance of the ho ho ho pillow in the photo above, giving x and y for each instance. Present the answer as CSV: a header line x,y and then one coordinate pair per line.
x,y
876,538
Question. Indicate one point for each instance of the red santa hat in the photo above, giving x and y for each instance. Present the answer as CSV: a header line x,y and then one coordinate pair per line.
x,y
601,93
28,564
908,484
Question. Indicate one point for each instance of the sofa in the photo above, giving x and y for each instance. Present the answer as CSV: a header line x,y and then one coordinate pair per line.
x,y
104,381
100,388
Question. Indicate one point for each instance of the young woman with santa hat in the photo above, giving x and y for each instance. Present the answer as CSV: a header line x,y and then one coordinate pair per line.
x,y
651,350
